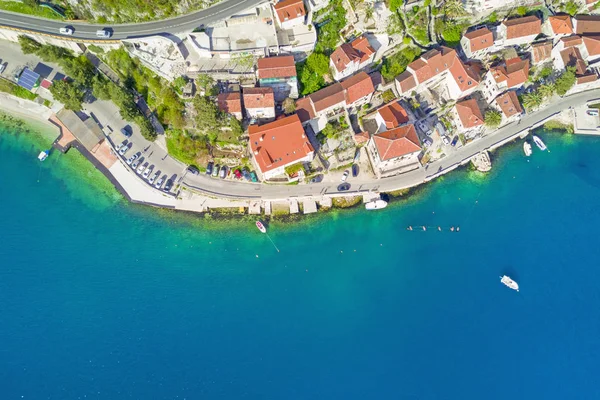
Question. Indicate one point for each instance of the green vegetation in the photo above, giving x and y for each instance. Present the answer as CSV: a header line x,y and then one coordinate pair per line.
x,y
570,7
546,72
328,35
30,8
417,23
68,93
547,90
493,18
521,11
388,96
333,130
532,100
206,83
397,63
453,9
289,106
493,118
451,31
559,126
210,122
565,81
312,73
9,87
95,49
294,169
185,147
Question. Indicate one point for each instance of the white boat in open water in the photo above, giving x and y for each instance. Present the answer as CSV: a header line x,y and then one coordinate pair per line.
x,y
376,205
509,282
43,155
538,142
527,149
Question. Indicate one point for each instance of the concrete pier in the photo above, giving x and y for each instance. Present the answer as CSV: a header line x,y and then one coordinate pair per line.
x,y
309,206
294,207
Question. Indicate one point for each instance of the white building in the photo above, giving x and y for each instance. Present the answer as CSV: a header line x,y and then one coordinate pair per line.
x,y
519,31
259,103
351,57
290,13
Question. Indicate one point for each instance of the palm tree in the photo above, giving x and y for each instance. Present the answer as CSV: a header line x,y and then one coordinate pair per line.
x,y
454,8
532,100
493,118
547,90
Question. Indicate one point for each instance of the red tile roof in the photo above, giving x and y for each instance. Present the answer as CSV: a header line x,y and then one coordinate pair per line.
x,y
509,104
572,57
278,143
290,9
432,63
46,83
469,113
261,97
357,86
521,27
328,97
592,44
561,24
359,51
230,102
586,78
276,67
304,109
466,76
541,51
361,137
480,39
573,40
397,142
406,81
393,114
587,24
515,72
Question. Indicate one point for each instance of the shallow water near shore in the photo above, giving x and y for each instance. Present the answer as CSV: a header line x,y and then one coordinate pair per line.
x,y
106,300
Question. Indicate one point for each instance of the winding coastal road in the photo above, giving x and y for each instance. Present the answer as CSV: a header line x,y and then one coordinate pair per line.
x,y
239,190
175,25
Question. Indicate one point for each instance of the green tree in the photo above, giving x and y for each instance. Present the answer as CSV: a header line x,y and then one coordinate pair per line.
x,y
180,82
395,5
318,63
395,24
80,69
289,105
454,9
31,3
206,83
546,72
532,100
207,114
68,93
100,87
396,64
493,119
493,18
28,45
547,90
521,11
571,7
565,81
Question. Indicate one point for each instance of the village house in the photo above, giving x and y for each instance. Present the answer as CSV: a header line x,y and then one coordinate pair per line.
x,y
351,57
279,144
230,103
278,73
468,117
290,13
592,47
391,116
477,43
259,103
586,24
558,26
541,52
511,74
439,66
508,104
395,150
570,51
519,31
352,92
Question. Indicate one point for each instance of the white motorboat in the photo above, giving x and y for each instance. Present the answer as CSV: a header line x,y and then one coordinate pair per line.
x,y
261,227
376,204
538,142
509,282
43,155
527,149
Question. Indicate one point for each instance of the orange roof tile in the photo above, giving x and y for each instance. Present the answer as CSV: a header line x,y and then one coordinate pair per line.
x,y
278,143
541,51
509,104
357,86
469,113
586,78
466,76
305,109
592,44
361,137
561,24
432,63
573,40
230,102
406,81
521,27
397,142
290,9
572,57
480,39
515,72
260,97
587,24
393,114
359,51
276,67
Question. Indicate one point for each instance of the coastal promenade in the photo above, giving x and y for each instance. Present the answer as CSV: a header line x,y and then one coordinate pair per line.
x,y
239,190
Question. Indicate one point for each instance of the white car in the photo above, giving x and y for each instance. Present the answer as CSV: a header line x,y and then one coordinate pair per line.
x,y
147,171
120,145
133,158
142,168
154,177
445,140
159,182
66,31
345,176
103,33
124,149
137,162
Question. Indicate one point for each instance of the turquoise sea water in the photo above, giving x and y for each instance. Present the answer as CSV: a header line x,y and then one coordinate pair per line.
x,y
101,299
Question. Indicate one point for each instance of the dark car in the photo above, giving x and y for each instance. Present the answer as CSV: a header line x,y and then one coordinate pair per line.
x,y
215,172
193,170
168,185
209,168
253,176
343,187
316,179
246,174
454,141
238,174
355,170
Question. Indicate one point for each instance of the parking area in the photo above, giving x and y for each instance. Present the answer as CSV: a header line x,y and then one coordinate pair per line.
x,y
586,119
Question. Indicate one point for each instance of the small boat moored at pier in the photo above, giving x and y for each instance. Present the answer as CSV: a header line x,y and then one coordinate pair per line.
x,y
376,205
509,282
527,149
261,227
43,155
538,142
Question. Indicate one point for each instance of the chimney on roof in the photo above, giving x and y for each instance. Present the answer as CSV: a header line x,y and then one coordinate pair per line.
x,y
255,152
262,138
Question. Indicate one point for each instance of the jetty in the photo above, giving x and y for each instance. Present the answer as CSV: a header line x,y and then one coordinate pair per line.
x,y
482,161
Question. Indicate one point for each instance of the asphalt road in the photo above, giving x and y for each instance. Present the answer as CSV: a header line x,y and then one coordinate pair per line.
x,y
181,24
236,189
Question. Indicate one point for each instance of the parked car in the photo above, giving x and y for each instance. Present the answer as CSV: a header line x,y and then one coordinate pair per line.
x,y
103,33
253,176
454,141
159,182
142,168
2,67
445,140
215,172
66,31
427,142
120,145
137,162
154,177
355,170
209,168
345,175
593,112
193,170
168,185
126,132
246,174
124,149
316,179
223,172
147,171
134,157
343,187
237,174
